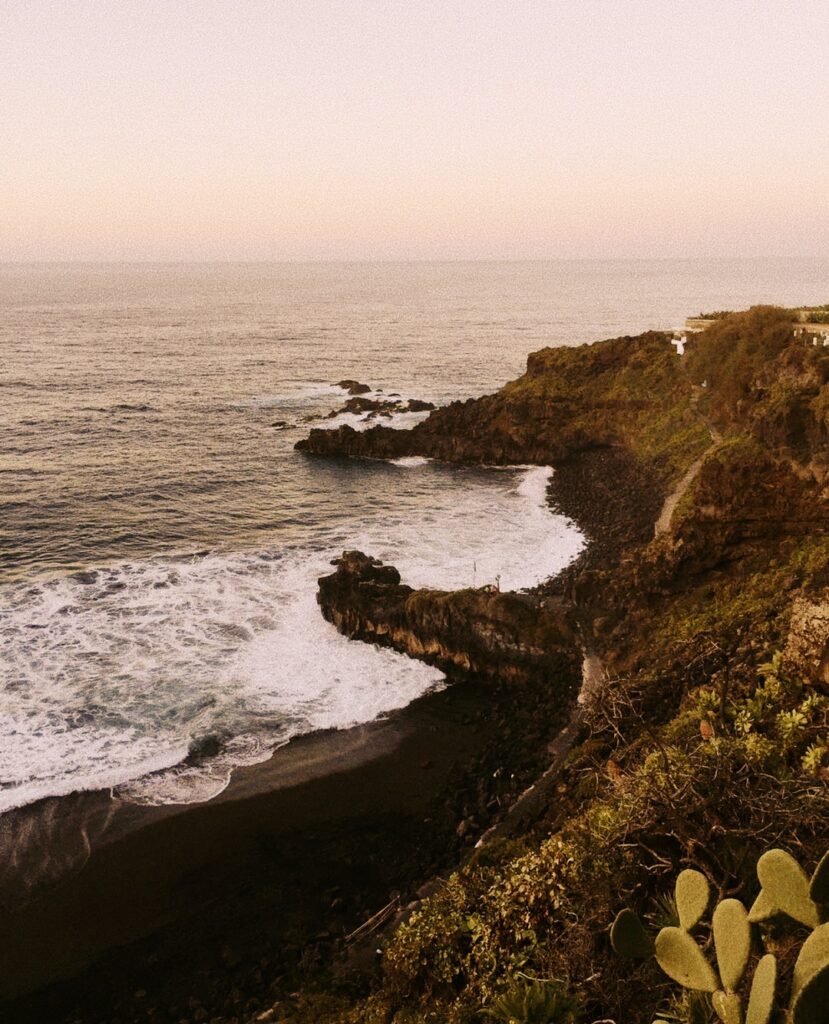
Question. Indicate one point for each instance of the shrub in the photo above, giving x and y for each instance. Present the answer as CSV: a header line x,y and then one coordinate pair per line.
x,y
730,353
534,1001
786,892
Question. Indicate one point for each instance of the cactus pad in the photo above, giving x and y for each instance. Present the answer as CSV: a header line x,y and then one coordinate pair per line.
x,y
812,1003
683,961
763,985
732,941
629,938
762,908
728,1008
692,895
819,886
787,886
814,957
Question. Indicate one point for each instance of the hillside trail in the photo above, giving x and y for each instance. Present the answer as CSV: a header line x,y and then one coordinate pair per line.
x,y
663,523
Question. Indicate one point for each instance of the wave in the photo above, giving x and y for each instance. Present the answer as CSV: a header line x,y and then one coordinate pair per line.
x,y
410,461
113,676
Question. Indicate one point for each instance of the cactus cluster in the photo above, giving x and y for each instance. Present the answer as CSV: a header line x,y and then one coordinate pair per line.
x,y
785,890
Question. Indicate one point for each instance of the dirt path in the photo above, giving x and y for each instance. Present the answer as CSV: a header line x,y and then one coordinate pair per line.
x,y
663,523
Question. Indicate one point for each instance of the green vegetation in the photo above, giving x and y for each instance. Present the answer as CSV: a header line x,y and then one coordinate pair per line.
x,y
732,351
812,314
534,1001
629,392
815,314
542,910
785,890
698,781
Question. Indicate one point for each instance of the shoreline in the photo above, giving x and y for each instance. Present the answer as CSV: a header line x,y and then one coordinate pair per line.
x,y
296,852
409,794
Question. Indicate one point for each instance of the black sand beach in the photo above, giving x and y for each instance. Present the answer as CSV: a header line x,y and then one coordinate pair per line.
x,y
119,912
293,856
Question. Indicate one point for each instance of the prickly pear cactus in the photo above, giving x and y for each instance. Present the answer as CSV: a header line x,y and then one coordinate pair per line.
x,y
629,938
812,1003
728,1007
763,988
682,959
692,895
786,886
732,941
819,884
786,891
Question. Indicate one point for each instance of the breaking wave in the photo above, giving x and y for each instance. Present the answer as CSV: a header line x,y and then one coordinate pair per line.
x,y
155,677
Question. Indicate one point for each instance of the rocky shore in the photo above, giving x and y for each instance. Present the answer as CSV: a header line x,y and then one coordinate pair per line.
x,y
701,737
726,450
570,400
222,905
514,666
506,637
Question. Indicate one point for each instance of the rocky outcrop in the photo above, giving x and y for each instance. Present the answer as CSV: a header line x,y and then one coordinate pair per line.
x,y
354,387
381,406
505,636
628,393
807,650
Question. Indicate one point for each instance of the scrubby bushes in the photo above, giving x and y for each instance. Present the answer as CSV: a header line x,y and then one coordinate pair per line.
x,y
703,752
728,355
741,765
786,894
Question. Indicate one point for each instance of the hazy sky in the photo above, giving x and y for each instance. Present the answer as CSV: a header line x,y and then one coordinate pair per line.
x,y
374,129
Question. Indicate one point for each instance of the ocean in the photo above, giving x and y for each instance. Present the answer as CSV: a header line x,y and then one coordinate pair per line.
x,y
160,539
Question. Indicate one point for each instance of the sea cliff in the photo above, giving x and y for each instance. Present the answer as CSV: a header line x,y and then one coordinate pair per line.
x,y
703,600
509,637
661,704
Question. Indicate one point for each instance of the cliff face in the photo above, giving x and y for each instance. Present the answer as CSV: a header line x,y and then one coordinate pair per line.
x,y
509,637
622,421
628,393
708,741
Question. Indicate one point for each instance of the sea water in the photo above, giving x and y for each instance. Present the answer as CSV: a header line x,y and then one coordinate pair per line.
x,y
160,539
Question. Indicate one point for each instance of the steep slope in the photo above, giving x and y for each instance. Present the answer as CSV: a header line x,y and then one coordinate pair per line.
x,y
709,741
628,393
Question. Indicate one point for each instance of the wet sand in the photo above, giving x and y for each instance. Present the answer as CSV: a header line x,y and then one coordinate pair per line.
x,y
223,897
118,913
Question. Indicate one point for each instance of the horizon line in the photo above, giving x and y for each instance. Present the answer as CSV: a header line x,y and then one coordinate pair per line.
x,y
219,261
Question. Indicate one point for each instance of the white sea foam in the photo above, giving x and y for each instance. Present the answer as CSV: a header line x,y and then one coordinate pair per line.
x,y
108,683
365,421
410,461
499,527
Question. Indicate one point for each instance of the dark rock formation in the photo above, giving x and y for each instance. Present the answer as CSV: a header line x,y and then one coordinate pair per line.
x,y
507,636
357,405
375,406
629,393
354,387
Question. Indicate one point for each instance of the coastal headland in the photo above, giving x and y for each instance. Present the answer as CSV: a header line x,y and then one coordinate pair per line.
x,y
246,908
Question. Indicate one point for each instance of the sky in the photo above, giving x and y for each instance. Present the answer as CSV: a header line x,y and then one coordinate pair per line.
x,y
413,129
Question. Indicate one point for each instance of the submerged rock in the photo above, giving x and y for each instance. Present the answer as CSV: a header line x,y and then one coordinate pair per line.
x,y
205,746
354,387
85,576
